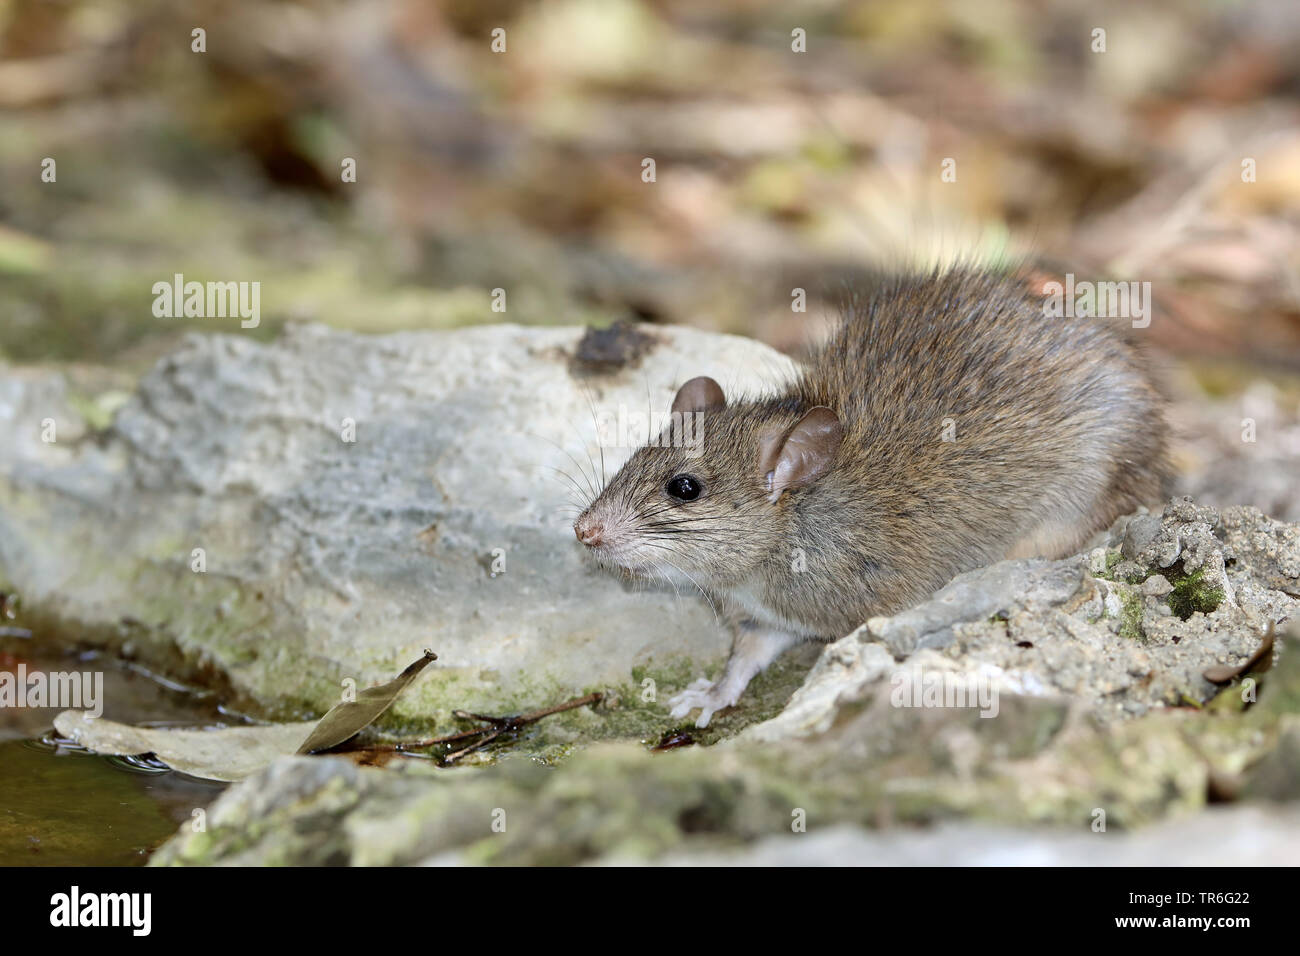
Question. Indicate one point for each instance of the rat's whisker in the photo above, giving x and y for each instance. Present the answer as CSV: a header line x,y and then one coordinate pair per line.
x,y
572,481
717,618
702,519
564,451
687,527
595,423
596,480
658,571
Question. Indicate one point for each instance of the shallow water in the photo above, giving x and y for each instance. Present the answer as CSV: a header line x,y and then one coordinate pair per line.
x,y
81,809
62,806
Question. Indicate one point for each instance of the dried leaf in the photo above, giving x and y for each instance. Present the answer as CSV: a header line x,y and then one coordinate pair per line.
x,y
348,718
213,753
233,753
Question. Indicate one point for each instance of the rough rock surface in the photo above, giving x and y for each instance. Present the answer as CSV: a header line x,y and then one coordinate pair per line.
x,y
1245,836
865,763
329,559
1105,629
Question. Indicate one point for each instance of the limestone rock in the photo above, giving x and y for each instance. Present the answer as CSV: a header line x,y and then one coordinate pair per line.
x,y
356,499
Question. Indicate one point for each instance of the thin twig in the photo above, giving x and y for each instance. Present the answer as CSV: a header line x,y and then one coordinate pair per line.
x,y
496,727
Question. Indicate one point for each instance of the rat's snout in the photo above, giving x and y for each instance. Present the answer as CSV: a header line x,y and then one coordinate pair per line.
x,y
589,530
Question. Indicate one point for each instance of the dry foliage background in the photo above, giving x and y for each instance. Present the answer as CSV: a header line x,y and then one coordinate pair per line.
x,y
775,169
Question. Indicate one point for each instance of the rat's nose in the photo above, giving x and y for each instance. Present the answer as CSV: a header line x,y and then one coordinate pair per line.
x,y
588,530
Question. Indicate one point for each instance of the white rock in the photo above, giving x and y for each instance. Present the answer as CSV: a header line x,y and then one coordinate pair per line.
x,y
329,559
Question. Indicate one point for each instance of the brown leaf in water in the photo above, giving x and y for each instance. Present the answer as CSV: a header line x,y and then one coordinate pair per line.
x,y
351,716
212,753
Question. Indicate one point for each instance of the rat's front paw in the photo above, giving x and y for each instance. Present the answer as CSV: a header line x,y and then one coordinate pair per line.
x,y
704,694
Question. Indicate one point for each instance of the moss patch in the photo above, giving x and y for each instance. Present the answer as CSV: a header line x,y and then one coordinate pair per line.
x,y
1113,557
1130,616
1191,592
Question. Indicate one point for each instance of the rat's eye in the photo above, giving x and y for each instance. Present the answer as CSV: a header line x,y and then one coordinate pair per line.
x,y
684,487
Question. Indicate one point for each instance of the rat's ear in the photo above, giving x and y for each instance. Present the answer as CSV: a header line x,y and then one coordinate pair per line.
x,y
700,394
800,456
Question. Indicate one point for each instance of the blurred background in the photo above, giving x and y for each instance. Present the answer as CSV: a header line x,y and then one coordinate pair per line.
x,y
774,169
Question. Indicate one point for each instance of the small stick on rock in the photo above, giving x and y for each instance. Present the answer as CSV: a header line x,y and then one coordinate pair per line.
x,y
496,726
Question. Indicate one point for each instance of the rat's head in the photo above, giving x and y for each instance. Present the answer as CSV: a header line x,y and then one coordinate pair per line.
x,y
709,509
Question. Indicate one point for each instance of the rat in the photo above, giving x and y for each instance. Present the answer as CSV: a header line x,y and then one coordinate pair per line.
x,y
948,423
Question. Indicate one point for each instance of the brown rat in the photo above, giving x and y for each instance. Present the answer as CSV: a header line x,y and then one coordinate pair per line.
x,y
947,424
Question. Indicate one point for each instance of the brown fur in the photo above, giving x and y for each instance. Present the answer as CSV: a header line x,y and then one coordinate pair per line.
x,y
1059,430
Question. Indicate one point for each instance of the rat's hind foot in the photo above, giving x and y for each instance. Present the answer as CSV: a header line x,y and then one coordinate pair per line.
x,y
707,696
